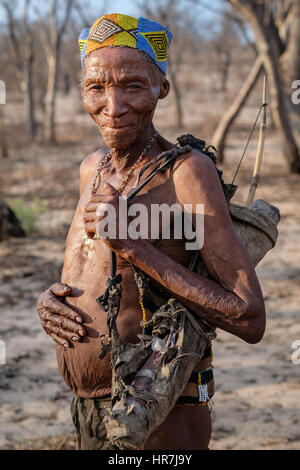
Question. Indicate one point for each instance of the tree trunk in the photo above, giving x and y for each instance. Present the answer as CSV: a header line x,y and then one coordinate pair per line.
x,y
30,99
226,62
22,42
52,45
49,130
290,62
290,59
268,49
280,113
3,143
26,83
177,94
221,132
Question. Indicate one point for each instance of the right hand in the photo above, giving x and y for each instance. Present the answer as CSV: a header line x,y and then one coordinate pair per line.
x,y
59,320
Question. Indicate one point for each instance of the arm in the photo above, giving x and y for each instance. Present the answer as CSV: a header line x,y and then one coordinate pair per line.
x,y
234,301
59,320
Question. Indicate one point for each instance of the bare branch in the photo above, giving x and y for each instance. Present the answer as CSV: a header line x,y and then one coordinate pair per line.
x,y
86,20
68,10
87,16
53,23
8,7
231,15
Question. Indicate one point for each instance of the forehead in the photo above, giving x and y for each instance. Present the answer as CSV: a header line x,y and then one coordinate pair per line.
x,y
120,61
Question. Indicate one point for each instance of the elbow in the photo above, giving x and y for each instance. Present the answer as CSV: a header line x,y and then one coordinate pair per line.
x,y
255,337
255,325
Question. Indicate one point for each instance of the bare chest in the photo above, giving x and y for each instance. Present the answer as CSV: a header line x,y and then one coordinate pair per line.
x,y
153,215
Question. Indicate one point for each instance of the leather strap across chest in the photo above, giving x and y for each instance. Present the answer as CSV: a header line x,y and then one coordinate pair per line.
x,y
162,162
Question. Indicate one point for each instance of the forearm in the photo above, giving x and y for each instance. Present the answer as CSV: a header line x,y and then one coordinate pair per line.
x,y
204,297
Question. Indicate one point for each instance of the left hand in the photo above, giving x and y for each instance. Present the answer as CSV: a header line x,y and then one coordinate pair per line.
x,y
98,207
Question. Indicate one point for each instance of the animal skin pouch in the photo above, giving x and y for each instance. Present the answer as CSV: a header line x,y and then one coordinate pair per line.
x,y
178,338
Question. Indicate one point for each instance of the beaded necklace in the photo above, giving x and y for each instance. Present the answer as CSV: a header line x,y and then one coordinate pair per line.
x,y
88,242
120,189
124,182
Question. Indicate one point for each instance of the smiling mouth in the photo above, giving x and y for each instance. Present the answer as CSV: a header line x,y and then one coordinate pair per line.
x,y
117,128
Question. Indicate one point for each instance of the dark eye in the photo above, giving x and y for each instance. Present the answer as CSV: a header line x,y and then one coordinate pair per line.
x,y
134,86
97,87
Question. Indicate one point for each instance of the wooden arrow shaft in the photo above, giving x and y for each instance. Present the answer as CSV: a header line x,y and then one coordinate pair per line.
x,y
260,150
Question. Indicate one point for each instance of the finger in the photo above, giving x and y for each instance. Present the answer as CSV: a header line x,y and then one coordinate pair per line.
x,y
60,341
64,323
108,197
61,289
106,190
91,207
96,198
58,331
90,229
53,304
89,217
104,209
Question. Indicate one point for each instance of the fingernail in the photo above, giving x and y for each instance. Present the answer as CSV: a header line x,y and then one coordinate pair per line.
x,y
75,338
66,345
78,319
81,333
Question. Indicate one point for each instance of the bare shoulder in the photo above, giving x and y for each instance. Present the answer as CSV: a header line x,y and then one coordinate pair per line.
x,y
91,162
195,170
89,166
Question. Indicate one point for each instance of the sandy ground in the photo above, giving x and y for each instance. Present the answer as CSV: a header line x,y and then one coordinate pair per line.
x,y
257,386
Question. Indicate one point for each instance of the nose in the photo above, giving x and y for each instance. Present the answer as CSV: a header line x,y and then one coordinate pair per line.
x,y
115,105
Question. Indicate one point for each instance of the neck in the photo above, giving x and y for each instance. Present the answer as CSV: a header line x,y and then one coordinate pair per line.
x,y
125,158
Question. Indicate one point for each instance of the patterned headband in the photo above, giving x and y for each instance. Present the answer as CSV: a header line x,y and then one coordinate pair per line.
x,y
126,31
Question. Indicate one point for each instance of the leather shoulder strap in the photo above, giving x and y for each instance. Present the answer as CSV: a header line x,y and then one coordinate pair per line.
x,y
163,161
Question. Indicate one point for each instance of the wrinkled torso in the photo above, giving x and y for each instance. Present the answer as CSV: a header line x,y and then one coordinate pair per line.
x,y
86,268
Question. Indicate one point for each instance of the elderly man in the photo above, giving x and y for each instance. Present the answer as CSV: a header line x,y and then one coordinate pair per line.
x,y
124,62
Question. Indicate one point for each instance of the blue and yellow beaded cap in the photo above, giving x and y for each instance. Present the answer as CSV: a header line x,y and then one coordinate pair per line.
x,y
118,30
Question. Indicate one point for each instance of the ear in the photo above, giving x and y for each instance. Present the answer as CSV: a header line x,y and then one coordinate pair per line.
x,y
164,89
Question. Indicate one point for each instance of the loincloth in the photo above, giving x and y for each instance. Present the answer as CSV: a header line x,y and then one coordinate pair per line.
x,y
88,413
88,418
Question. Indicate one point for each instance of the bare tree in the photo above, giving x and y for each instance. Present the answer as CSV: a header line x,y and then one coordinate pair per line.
x,y
52,32
3,143
221,132
287,18
224,44
275,25
21,38
87,14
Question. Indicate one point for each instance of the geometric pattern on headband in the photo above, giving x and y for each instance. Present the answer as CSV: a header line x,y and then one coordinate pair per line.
x,y
107,28
118,30
159,42
82,43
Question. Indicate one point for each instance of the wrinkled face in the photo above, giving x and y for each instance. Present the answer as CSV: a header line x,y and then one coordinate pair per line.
x,y
120,91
